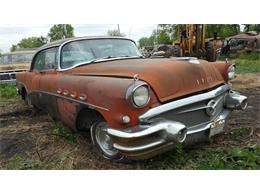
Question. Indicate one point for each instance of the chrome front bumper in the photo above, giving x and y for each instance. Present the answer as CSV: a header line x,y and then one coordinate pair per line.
x,y
156,135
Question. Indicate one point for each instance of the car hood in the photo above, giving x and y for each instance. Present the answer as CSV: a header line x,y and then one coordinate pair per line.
x,y
169,78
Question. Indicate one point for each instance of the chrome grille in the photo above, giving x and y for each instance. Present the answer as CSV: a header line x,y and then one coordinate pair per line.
x,y
193,114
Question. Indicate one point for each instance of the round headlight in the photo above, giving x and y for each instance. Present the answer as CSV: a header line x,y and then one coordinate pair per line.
x,y
141,96
231,72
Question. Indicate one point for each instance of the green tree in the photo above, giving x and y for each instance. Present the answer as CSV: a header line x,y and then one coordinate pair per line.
x,y
146,41
169,29
252,27
61,31
222,30
163,38
13,48
164,34
31,42
115,33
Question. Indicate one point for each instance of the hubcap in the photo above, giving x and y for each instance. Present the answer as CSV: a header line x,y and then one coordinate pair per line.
x,y
104,140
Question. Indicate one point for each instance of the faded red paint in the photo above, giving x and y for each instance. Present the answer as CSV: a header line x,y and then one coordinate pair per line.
x,y
105,85
169,78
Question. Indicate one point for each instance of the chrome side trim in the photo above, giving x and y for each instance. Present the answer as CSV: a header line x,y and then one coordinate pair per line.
x,y
71,99
183,102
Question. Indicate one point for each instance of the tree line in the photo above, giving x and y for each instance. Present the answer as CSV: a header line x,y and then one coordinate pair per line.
x,y
164,34
57,32
167,33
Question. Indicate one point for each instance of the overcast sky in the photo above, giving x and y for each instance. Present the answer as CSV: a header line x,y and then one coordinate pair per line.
x,y
12,34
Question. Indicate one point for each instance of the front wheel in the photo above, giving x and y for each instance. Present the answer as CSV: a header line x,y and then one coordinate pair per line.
x,y
103,141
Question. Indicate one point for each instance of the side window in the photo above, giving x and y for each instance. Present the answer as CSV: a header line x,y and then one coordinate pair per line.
x,y
39,62
46,59
51,58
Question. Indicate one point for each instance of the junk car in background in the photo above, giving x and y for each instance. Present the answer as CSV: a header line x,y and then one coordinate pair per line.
x,y
249,42
14,62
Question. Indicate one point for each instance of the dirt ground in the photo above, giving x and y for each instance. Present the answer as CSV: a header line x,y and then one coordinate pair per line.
x,y
29,135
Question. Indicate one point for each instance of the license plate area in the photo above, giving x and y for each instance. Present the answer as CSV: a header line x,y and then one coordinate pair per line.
x,y
217,127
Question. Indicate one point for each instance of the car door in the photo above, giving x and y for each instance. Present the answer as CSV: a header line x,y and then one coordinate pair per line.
x,y
32,78
48,81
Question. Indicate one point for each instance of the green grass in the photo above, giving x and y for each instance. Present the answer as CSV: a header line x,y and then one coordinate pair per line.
x,y
19,163
247,66
8,94
245,62
208,159
60,130
236,134
232,158
8,91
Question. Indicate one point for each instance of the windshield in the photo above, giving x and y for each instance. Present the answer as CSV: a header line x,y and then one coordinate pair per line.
x,y
81,51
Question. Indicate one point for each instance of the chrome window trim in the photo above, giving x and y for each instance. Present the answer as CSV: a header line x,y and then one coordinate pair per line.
x,y
44,49
81,39
182,102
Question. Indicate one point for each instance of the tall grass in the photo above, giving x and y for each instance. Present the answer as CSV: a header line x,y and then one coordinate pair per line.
x,y
7,91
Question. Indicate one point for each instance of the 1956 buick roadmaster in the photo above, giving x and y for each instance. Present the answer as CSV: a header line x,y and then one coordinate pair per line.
x,y
134,107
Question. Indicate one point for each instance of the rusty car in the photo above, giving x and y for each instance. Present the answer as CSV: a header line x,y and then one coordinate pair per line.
x,y
133,107
244,42
13,62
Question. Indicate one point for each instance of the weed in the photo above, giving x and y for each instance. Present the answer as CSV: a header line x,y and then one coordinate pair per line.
x,y
7,91
19,163
236,134
60,130
207,159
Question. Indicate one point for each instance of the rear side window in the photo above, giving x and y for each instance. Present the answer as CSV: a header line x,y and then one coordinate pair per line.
x,y
46,59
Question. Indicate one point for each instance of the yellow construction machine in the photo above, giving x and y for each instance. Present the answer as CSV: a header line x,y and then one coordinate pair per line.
x,y
192,42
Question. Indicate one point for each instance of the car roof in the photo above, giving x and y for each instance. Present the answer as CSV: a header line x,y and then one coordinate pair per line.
x,y
60,42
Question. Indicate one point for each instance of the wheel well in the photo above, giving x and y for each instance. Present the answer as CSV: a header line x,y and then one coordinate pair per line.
x,y
86,117
23,93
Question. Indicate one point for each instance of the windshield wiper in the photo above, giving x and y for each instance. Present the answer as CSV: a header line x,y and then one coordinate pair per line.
x,y
109,57
103,58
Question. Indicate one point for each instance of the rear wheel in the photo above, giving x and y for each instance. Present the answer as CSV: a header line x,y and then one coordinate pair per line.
x,y
103,141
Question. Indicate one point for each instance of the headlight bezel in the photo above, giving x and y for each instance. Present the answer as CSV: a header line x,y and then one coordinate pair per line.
x,y
231,72
131,91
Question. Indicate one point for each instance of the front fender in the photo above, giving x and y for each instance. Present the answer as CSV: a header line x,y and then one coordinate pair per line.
x,y
107,95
